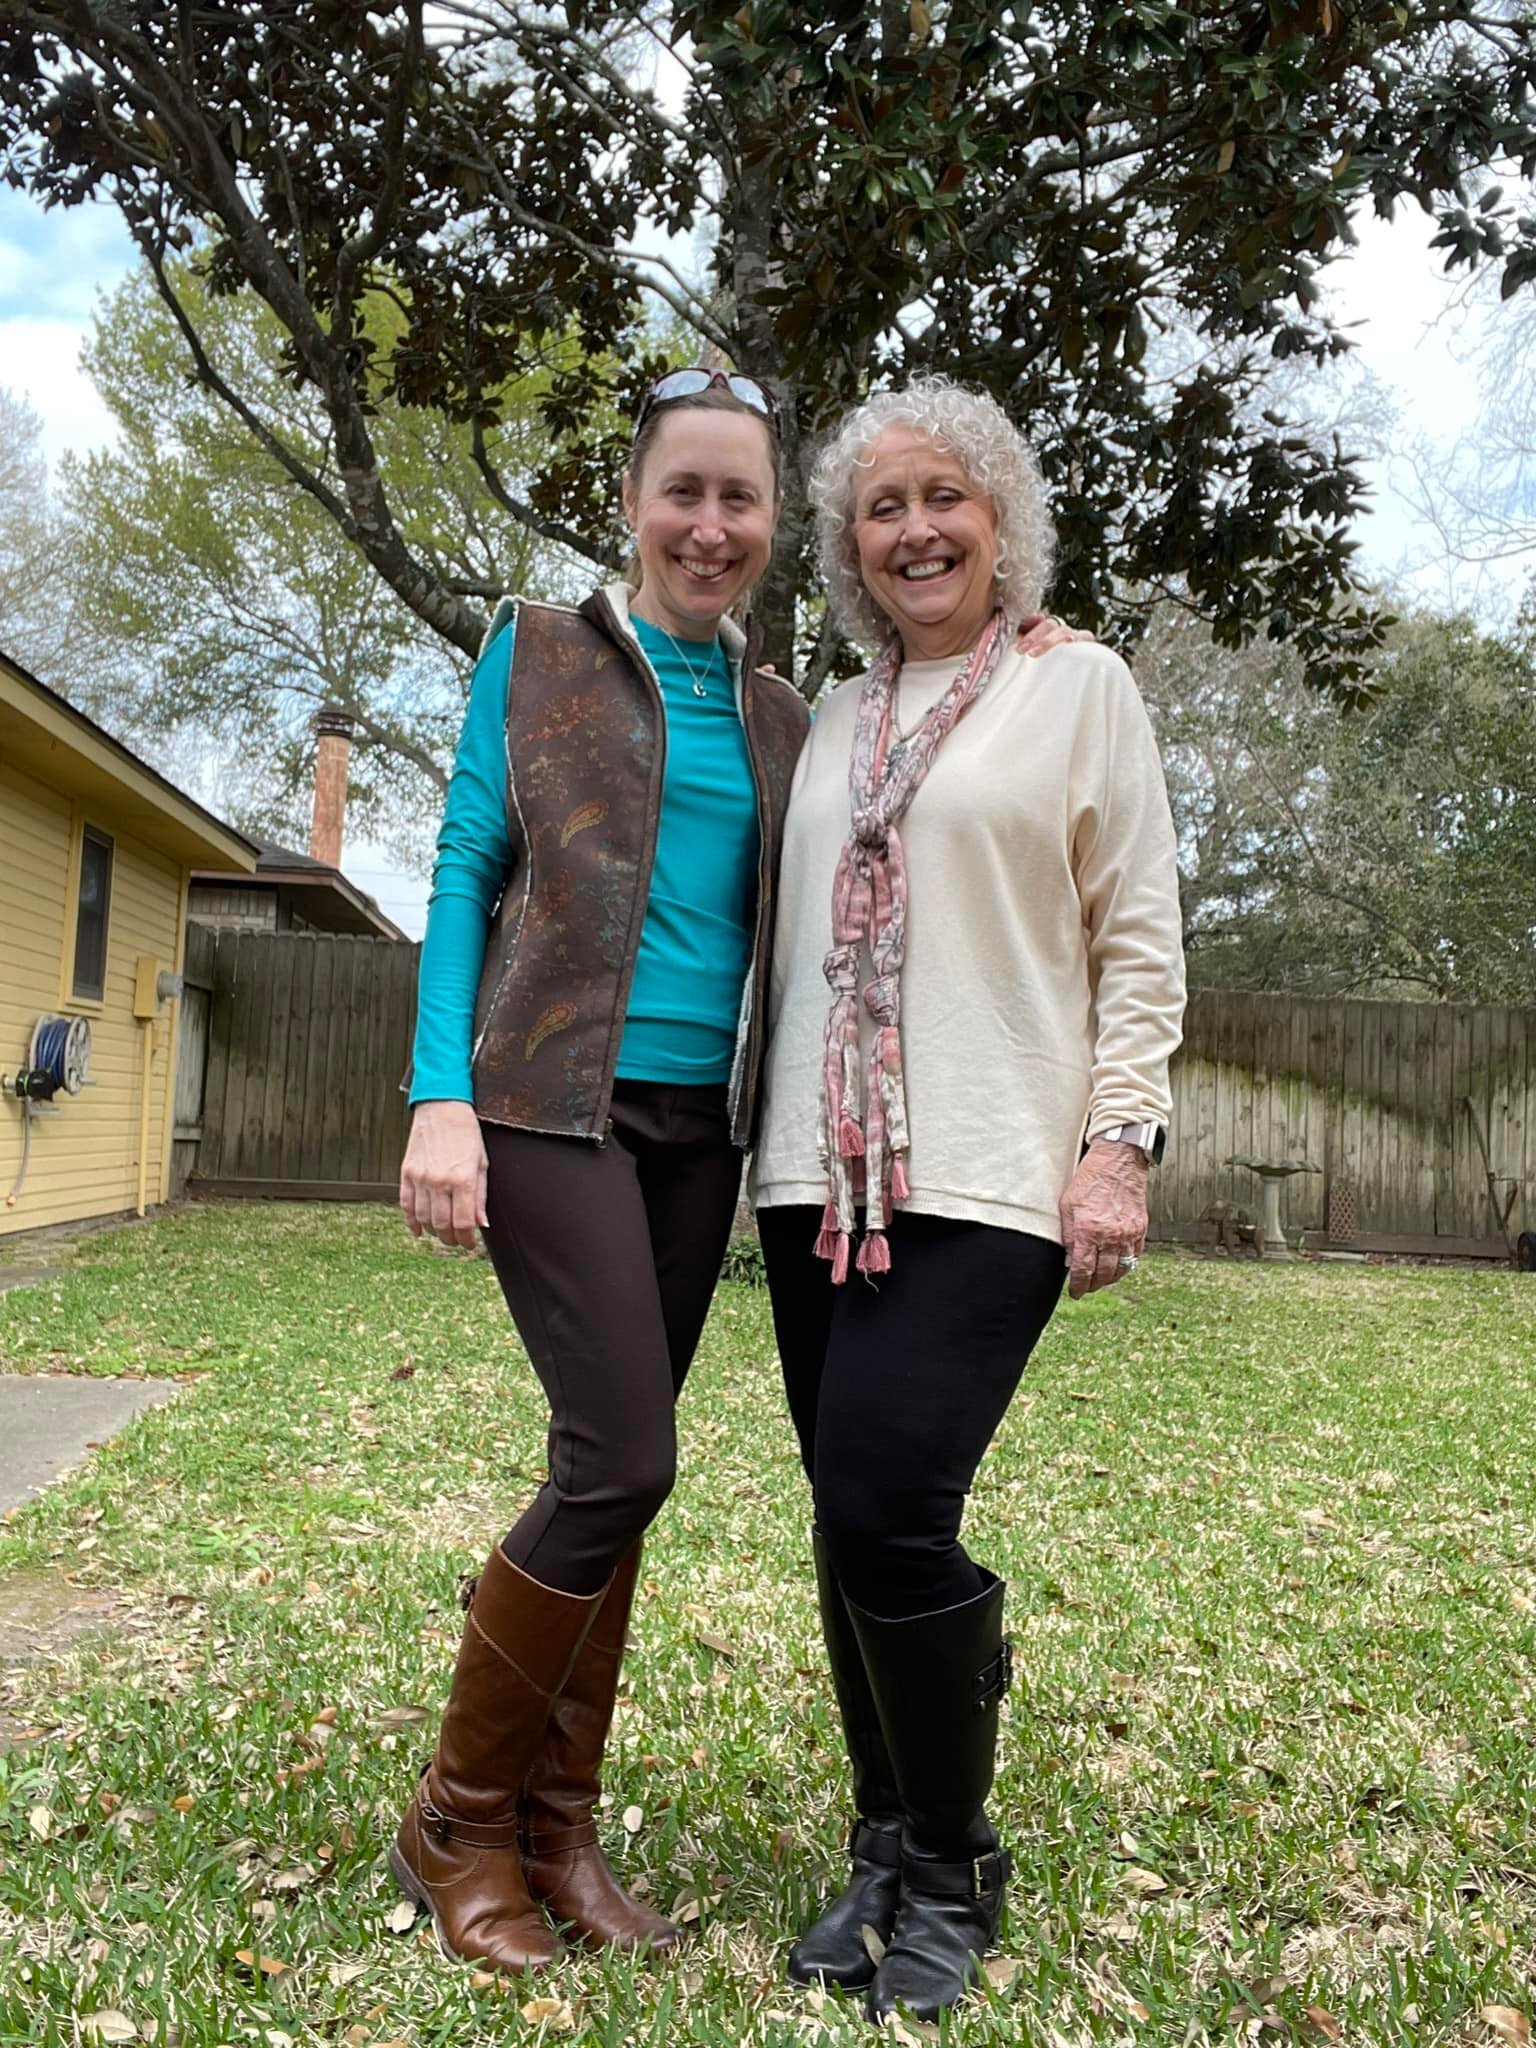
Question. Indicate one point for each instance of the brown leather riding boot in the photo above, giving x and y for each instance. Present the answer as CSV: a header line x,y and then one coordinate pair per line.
x,y
458,1851
562,1860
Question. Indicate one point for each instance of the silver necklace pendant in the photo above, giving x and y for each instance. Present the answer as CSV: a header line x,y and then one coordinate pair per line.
x,y
699,688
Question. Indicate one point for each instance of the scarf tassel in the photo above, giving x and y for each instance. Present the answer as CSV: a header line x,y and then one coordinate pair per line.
x,y
874,1253
827,1236
899,1188
850,1139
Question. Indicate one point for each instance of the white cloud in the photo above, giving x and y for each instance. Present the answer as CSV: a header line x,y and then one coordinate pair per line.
x,y
53,263
1413,328
40,359
1419,335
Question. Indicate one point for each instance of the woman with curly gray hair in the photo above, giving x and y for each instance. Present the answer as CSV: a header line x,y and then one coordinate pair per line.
x,y
970,1122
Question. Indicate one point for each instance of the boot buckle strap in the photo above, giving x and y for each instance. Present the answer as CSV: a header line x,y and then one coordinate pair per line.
x,y
555,1841
980,1877
447,1827
994,1679
875,1845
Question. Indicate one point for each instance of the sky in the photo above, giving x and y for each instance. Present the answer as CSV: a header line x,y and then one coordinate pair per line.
x,y
1416,336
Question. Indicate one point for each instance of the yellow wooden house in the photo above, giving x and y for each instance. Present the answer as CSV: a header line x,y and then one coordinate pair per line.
x,y
96,856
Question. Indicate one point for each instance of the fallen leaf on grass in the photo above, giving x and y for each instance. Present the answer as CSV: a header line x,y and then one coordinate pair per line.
x,y
687,1907
721,1647
1002,1972
342,1974
400,1717
1507,2023
634,1819
1265,1990
910,2033
266,1966
1118,1928
184,1804
1323,2024
554,2012
108,2025
481,1980
40,1821
1135,1878
402,1917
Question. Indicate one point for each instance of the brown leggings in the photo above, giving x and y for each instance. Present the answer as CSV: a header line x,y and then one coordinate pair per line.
x,y
608,1256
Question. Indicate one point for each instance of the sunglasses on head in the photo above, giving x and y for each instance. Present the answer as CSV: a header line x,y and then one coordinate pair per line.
x,y
690,383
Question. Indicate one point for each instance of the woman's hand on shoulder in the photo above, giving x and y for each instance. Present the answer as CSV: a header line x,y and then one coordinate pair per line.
x,y
1104,1215
442,1178
1042,632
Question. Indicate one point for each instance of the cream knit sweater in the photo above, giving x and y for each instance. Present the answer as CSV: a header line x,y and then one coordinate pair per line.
x,y
1043,991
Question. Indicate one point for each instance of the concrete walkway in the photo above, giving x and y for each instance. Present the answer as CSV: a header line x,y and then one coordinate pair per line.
x,y
52,1421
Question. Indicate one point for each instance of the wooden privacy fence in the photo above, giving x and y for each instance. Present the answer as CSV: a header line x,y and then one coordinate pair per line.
x,y
299,1041
307,1037
1387,1099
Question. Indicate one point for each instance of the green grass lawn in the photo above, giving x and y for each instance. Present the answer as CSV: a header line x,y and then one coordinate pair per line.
x,y
1267,1772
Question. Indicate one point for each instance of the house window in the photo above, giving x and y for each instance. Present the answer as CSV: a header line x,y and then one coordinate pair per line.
x,y
90,980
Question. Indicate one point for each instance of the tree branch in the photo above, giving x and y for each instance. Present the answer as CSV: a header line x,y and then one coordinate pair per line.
x,y
208,376
691,309
361,248
549,529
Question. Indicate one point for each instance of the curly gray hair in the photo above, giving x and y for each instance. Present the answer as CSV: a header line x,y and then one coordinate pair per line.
x,y
994,455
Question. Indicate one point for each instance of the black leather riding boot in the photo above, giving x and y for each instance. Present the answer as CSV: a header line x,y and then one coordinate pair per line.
x,y
936,1681
833,1949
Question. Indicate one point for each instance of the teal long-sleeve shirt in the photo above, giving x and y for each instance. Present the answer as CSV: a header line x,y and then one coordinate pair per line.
x,y
696,941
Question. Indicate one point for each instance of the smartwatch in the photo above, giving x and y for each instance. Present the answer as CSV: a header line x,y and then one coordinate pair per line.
x,y
1151,1137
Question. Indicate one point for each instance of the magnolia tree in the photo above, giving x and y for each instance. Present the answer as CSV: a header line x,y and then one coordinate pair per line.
x,y
1113,218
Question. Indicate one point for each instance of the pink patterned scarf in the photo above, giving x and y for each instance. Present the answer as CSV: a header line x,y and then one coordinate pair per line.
x,y
869,906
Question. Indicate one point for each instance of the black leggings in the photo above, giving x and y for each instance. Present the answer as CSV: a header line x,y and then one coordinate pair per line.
x,y
608,1256
897,1386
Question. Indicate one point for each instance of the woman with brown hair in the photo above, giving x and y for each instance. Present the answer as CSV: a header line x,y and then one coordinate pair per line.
x,y
586,1066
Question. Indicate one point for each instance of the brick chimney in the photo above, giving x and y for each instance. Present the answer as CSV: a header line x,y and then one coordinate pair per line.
x,y
333,747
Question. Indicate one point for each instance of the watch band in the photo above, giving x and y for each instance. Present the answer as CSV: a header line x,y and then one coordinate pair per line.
x,y
1151,1137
